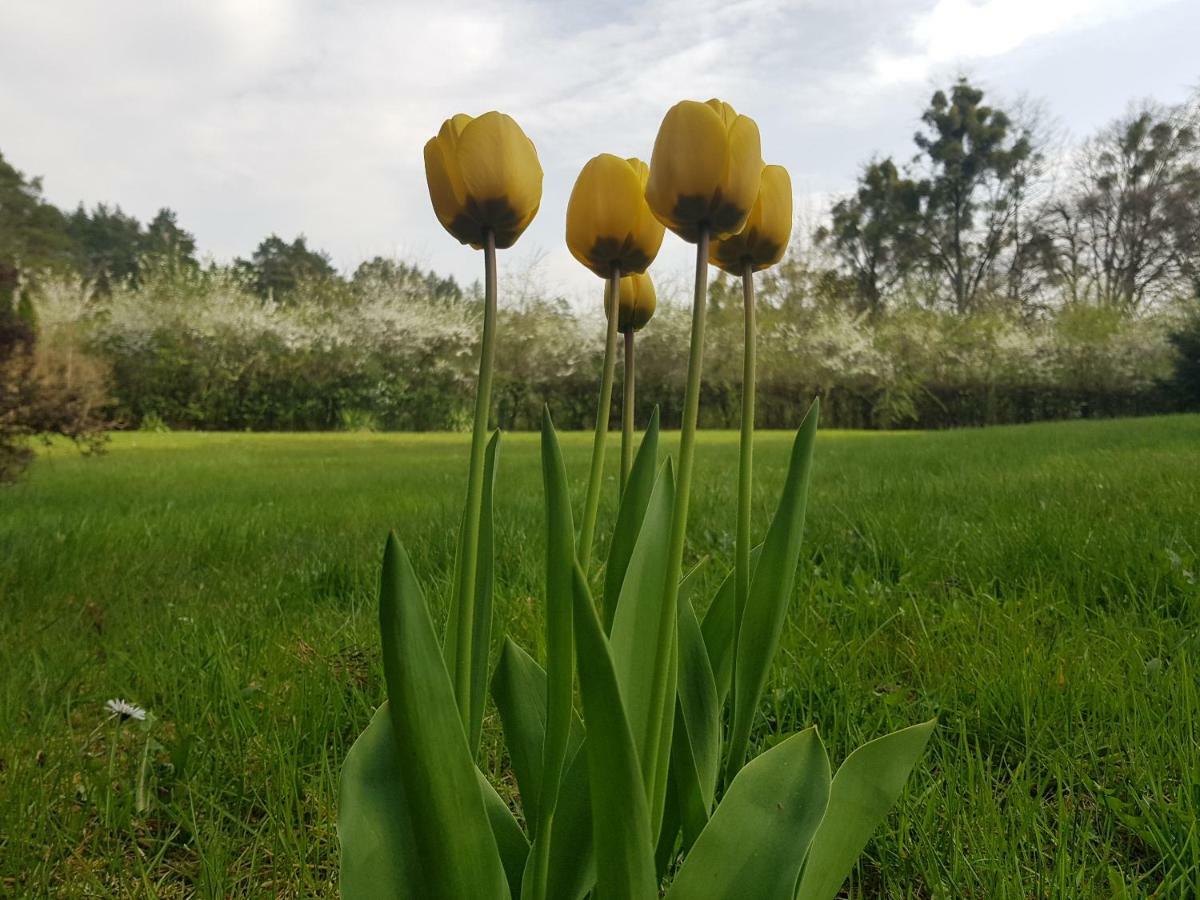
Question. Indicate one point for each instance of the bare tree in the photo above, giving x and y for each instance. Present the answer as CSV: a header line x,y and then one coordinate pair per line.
x,y
1122,231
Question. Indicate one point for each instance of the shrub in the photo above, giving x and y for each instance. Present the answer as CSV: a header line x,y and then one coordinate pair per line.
x,y
48,386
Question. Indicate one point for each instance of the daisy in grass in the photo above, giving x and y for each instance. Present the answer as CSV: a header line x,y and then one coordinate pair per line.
x,y
125,710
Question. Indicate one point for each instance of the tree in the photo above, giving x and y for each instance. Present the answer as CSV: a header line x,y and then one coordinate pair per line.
x,y
277,267
33,235
108,245
1126,233
400,276
872,233
165,241
972,162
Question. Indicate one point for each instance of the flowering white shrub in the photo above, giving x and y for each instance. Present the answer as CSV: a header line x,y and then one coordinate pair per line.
x,y
198,348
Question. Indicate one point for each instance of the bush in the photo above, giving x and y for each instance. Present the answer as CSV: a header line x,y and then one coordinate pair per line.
x,y
198,349
48,386
1184,382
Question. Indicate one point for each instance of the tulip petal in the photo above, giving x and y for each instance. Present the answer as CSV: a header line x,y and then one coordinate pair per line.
x,y
636,302
763,241
647,233
608,222
772,216
691,159
739,186
501,175
448,201
602,211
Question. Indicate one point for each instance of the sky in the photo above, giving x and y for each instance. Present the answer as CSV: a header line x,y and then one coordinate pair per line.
x,y
255,116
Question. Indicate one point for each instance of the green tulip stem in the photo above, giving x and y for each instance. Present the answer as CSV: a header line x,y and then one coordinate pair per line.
x,y
746,460
627,413
465,592
683,485
603,410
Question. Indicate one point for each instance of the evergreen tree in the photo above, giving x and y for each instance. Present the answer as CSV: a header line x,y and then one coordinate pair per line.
x,y
972,162
277,267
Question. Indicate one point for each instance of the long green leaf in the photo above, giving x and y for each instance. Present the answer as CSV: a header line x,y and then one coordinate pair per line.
x,y
481,640
519,689
682,757
375,823
636,640
755,842
770,593
718,625
696,747
510,839
458,852
572,868
620,818
630,514
560,562
864,789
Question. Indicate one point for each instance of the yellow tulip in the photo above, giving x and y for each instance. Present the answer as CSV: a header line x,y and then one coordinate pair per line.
x,y
483,175
705,170
635,303
609,224
765,238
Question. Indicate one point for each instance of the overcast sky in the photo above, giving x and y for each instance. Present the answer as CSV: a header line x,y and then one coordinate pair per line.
x,y
254,116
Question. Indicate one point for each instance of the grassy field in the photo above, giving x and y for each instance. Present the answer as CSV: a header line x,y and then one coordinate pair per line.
x,y
1035,587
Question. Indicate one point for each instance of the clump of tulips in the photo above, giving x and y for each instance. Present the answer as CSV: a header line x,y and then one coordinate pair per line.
x,y
646,786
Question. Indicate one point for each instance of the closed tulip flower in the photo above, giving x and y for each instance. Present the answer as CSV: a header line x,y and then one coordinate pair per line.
x,y
705,170
485,182
763,241
635,303
612,231
609,225
483,176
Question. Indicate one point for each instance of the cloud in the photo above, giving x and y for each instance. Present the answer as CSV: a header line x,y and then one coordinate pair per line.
x,y
253,116
960,31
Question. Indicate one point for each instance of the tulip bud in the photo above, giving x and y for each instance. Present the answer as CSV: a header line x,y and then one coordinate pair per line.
x,y
608,222
635,303
765,238
705,170
483,175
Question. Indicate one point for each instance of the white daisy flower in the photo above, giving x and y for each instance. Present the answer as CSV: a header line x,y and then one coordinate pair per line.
x,y
125,710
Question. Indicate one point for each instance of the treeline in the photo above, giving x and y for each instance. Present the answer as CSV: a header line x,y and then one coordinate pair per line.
x,y
989,278
989,213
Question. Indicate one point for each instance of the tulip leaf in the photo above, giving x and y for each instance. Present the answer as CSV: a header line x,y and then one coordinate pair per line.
x,y
519,689
481,640
560,562
630,514
637,640
375,823
572,866
866,786
718,628
375,826
755,842
620,818
770,593
454,840
510,839
696,746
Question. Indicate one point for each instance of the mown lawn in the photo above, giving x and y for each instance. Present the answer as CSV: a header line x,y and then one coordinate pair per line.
x,y
1035,587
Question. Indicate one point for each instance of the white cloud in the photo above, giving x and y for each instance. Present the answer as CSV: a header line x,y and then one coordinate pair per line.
x,y
959,31
252,116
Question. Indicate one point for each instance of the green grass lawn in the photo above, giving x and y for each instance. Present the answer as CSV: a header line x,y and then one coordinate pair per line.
x,y
1035,587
